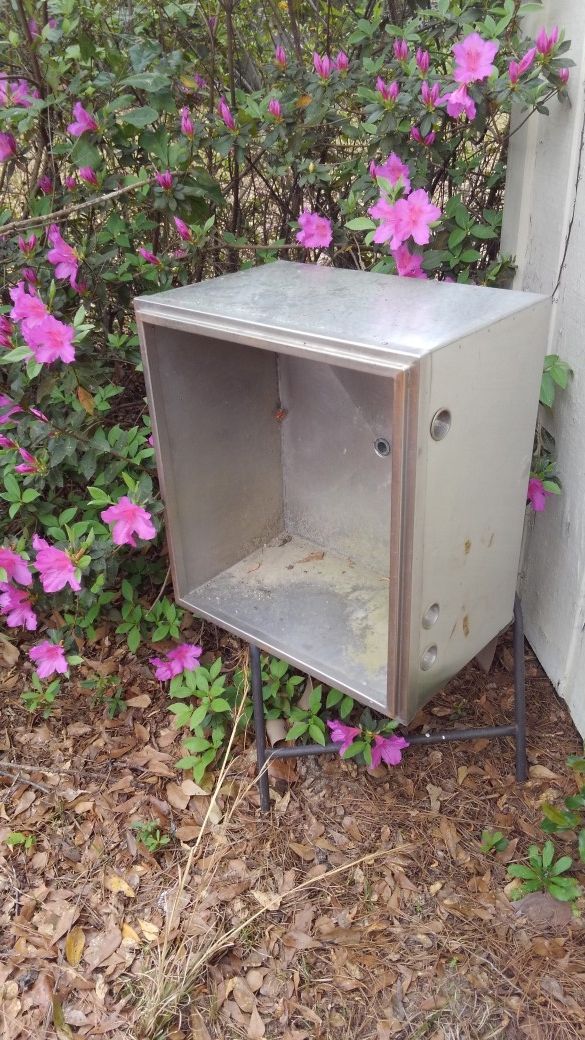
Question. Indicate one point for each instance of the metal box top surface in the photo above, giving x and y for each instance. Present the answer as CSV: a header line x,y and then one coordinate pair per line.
x,y
368,319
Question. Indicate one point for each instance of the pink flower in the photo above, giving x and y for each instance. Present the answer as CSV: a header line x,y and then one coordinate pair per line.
x,y
70,183
7,147
83,122
62,255
563,75
427,140
342,734
5,331
149,257
423,60
49,658
408,265
342,62
28,307
27,245
315,230
388,750
421,213
387,91
405,218
18,94
16,566
165,180
88,175
473,58
537,494
55,567
184,230
183,658
400,48
430,95
30,464
323,66
128,519
544,42
225,112
518,68
45,184
16,606
50,340
459,103
275,109
200,81
280,56
6,442
33,28
393,170
187,127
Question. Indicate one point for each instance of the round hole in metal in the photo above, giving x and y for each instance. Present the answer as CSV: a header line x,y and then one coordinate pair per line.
x,y
430,615
440,424
429,658
382,447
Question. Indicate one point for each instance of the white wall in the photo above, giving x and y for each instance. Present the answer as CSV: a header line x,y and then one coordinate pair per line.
x,y
544,222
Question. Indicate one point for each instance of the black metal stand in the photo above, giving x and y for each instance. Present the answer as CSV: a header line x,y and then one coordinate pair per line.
x,y
517,729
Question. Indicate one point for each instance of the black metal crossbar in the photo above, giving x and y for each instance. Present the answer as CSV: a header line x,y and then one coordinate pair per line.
x,y
517,729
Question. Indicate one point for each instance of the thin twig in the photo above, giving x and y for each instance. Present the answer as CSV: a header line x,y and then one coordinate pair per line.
x,y
25,780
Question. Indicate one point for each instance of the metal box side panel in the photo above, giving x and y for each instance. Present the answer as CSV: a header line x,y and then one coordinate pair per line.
x,y
472,491
337,487
218,449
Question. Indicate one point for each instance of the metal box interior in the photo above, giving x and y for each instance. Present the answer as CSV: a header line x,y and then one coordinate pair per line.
x,y
308,508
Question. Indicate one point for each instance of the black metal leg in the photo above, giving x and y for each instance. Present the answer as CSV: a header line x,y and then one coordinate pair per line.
x,y
259,728
519,693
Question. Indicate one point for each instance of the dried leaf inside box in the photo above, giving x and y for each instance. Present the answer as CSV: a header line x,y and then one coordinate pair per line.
x,y
344,460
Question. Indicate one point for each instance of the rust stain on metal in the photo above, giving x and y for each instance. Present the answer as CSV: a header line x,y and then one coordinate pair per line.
x,y
466,625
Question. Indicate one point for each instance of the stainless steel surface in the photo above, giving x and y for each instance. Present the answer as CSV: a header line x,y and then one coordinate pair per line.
x,y
269,391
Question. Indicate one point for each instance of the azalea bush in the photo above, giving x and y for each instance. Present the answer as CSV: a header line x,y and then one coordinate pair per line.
x,y
211,140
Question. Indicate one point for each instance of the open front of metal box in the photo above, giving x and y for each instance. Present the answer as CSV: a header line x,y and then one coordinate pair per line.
x,y
268,460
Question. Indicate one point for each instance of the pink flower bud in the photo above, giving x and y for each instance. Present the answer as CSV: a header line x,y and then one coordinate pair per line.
x,y
430,95
280,57
149,257
27,245
30,275
427,140
388,91
70,183
187,127
400,48
165,180
45,184
423,60
323,65
275,109
88,175
544,42
342,61
183,229
5,331
226,114
563,75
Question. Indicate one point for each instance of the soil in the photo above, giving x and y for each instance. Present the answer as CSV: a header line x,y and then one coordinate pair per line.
x,y
363,907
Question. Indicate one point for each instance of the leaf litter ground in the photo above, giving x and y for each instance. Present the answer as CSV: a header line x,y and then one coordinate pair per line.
x,y
363,908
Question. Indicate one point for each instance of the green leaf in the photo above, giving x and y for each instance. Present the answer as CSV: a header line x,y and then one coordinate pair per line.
x,y
581,845
518,870
317,734
139,117
548,854
561,866
298,729
220,704
456,237
152,82
354,749
17,354
468,256
565,889
360,224
133,640
315,700
547,390
346,707
333,698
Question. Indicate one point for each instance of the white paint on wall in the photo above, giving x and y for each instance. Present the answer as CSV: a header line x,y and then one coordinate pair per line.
x,y
544,227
